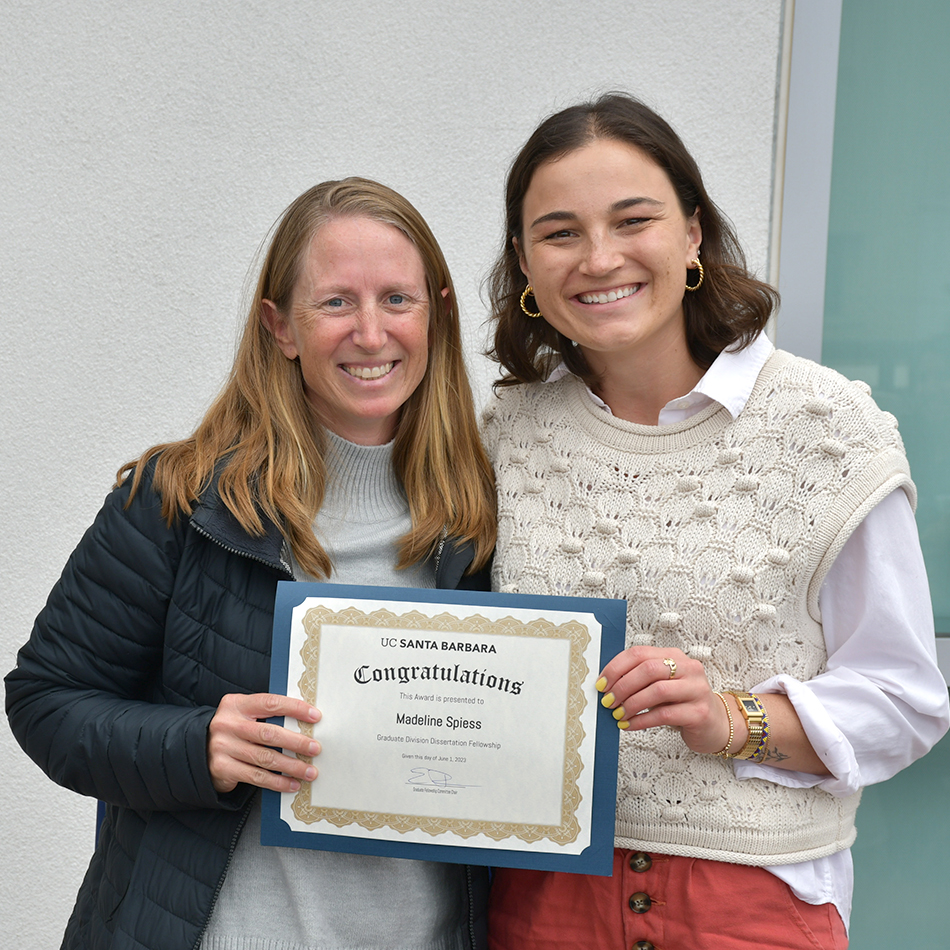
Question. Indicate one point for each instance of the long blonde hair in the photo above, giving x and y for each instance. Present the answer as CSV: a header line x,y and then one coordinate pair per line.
x,y
260,437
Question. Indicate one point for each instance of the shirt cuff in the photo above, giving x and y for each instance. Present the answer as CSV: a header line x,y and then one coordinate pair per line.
x,y
828,741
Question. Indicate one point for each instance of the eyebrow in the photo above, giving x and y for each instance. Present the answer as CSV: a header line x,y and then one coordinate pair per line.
x,y
621,205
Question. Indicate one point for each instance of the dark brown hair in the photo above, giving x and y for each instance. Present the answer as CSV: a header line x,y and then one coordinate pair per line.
x,y
731,307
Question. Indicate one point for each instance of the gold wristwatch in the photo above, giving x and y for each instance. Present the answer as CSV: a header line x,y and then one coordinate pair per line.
x,y
756,719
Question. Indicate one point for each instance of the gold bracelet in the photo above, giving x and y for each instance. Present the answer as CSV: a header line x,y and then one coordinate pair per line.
x,y
757,720
724,751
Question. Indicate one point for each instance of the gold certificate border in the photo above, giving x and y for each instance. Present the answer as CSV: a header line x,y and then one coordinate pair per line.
x,y
575,633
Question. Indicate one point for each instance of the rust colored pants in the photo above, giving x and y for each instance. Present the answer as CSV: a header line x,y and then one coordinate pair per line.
x,y
657,902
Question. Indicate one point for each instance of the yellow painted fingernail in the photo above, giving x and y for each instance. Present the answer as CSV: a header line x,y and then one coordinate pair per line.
x,y
619,713
608,700
601,684
623,725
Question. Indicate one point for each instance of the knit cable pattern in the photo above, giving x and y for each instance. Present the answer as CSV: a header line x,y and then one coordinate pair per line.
x,y
718,533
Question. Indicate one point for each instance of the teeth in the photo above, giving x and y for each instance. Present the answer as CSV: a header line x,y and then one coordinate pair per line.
x,y
369,372
610,296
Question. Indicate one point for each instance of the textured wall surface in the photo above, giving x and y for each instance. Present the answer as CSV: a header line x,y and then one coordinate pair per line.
x,y
148,148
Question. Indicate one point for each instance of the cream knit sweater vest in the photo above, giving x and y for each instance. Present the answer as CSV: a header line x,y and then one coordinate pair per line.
x,y
718,533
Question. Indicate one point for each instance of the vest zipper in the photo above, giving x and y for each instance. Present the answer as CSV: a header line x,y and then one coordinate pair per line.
x,y
438,554
471,906
224,873
251,557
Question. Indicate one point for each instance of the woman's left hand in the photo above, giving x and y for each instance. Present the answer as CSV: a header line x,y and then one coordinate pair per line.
x,y
665,687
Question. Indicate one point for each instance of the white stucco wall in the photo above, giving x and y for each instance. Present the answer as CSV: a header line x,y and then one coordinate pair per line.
x,y
147,148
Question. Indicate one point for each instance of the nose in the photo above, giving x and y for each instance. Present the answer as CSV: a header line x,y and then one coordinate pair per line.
x,y
369,333
602,255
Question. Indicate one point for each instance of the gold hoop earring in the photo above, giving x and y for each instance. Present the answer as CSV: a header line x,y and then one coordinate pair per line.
x,y
529,292
702,275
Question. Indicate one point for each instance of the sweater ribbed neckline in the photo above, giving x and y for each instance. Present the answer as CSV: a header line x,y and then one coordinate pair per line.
x,y
363,472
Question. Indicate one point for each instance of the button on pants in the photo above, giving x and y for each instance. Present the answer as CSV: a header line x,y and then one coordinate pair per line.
x,y
657,902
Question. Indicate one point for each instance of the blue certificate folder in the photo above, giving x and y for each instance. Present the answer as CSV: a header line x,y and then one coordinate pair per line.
x,y
596,858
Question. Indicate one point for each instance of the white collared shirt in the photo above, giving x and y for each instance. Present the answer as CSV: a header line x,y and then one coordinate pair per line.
x,y
882,701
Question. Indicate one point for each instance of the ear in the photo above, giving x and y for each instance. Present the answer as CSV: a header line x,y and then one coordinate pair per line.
x,y
522,262
280,327
694,235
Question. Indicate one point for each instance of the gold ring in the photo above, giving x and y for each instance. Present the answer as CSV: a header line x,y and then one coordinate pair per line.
x,y
672,665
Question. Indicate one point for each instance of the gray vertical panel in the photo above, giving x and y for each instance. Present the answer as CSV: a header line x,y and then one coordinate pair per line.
x,y
807,189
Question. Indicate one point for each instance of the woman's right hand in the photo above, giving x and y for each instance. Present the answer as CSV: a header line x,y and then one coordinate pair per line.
x,y
241,748
654,686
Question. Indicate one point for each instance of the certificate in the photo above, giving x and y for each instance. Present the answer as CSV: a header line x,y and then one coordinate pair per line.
x,y
457,726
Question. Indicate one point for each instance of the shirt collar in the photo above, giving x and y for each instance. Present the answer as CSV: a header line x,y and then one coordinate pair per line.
x,y
728,381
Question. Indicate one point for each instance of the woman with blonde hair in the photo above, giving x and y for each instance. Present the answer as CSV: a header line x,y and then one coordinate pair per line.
x,y
753,509
343,446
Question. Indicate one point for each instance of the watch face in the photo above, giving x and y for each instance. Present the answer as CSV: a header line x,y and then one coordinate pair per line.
x,y
750,707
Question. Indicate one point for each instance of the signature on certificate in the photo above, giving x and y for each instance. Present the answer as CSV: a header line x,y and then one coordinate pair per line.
x,y
424,776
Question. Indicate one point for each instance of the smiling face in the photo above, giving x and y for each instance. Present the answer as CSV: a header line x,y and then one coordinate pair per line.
x,y
358,321
606,245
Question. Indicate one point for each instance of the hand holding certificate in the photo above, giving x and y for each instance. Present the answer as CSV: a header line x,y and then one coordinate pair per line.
x,y
457,722
239,745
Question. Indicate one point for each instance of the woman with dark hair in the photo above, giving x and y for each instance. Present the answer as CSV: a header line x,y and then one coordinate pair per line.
x,y
755,511
344,445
